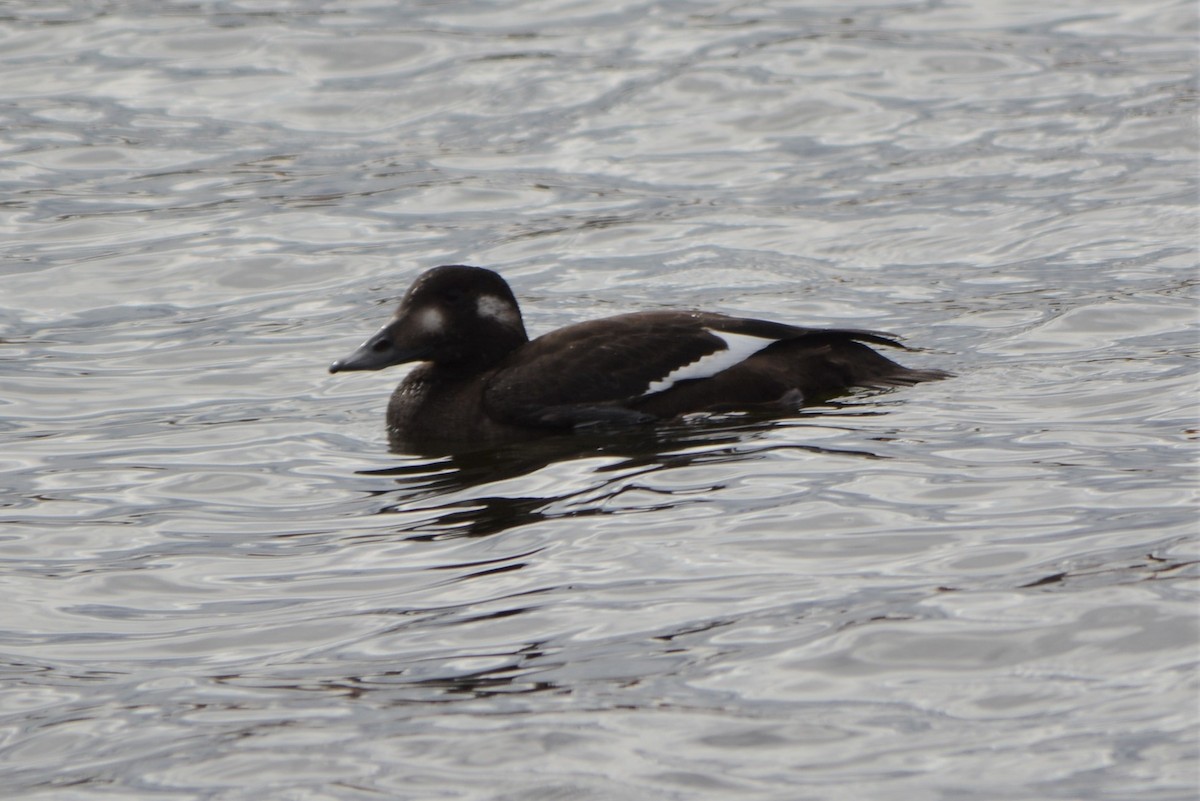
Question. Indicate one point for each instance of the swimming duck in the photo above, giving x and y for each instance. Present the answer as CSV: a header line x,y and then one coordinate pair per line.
x,y
483,380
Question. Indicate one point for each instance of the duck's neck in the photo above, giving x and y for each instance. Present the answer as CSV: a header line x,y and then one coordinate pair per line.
x,y
486,353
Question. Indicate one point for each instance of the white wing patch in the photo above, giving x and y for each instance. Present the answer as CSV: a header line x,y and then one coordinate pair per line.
x,y
738,348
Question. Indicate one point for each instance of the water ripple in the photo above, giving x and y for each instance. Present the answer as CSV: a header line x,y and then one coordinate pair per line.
x,y
219,584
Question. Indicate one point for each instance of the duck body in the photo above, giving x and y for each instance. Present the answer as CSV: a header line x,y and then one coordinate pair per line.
x,y
483,379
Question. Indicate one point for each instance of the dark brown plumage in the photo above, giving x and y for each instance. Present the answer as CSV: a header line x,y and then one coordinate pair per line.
x,y
484,380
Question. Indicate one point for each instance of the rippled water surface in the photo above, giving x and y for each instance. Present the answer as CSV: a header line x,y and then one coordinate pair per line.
x,y
218,583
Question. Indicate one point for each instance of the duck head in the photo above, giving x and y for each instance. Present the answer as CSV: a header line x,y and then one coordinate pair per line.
x,y
457,317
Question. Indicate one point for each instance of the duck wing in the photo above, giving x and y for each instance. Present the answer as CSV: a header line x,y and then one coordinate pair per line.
x,y
600,371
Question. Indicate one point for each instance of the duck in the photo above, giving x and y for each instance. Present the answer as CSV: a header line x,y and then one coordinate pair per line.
x,y
481,379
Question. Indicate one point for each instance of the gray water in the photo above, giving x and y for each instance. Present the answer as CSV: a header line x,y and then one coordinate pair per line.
x,y
218,583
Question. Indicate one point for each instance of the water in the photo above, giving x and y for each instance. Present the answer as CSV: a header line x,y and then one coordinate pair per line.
x,y
218,584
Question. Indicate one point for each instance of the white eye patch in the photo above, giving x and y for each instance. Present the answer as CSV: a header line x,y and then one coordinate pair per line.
x,y
738,347
497,309
431,320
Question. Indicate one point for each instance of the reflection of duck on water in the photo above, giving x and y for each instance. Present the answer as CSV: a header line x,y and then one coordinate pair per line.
x,y
595,472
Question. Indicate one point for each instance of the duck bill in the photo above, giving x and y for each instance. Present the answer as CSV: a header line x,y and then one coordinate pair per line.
x,y
378,352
